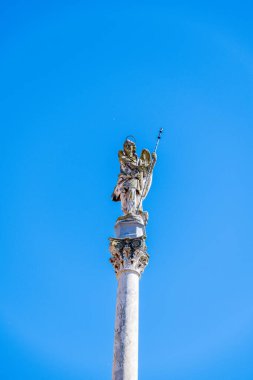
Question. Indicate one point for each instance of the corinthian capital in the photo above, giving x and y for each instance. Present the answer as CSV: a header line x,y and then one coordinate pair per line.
x,y
129,254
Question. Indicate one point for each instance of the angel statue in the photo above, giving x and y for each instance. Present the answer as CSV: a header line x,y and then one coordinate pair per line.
x,y
134,180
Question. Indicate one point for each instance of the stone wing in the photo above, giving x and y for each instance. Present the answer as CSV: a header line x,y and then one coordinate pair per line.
x,y
145,157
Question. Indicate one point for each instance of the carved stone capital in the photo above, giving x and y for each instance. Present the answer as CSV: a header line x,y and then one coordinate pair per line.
x,y
129,254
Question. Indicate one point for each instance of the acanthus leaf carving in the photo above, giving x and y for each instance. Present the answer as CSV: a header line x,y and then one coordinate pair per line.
x,y
129,254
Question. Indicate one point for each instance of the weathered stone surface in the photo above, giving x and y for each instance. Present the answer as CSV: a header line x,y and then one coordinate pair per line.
x,y
129,259
129,254
131,226
125,361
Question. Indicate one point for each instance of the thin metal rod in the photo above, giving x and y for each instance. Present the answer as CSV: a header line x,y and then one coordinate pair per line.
x,y
158,139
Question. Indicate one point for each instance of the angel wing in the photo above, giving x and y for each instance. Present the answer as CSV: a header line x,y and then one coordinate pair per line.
x,y
145,164
145,158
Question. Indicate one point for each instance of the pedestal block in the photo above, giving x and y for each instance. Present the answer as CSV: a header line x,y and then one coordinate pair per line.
x,y
129,227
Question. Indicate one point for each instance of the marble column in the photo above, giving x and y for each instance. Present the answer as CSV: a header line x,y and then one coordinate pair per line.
x,y
129,259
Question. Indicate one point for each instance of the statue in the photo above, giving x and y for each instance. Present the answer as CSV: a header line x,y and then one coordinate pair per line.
x,y
134,180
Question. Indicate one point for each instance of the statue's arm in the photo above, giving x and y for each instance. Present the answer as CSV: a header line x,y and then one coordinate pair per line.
x,y
154,158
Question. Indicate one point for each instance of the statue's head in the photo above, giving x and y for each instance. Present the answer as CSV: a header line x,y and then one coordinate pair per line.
x,y
129,147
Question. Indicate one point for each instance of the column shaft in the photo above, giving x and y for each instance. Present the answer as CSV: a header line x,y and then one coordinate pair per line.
x,y
125,363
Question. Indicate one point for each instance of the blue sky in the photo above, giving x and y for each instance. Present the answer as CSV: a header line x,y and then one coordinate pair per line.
x,y
75,79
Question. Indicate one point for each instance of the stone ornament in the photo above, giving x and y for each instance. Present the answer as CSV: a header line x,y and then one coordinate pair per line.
x,y
129,255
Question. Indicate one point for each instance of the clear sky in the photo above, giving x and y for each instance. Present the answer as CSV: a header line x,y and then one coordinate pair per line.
x,y
76,78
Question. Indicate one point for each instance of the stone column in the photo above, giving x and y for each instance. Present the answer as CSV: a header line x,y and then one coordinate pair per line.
x,y
129,259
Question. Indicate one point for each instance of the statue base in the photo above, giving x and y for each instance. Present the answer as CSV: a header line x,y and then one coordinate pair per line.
x,y
129,226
